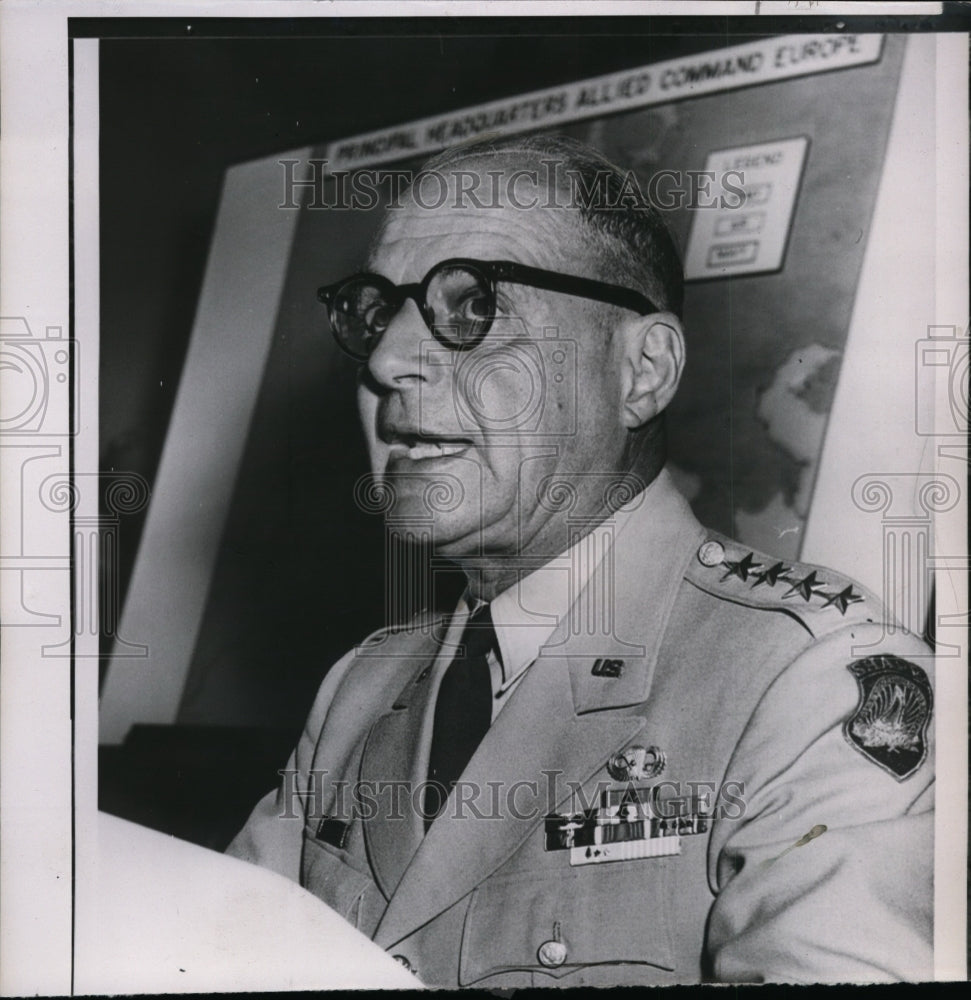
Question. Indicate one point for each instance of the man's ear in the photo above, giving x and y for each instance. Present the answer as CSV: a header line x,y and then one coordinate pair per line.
x,y
653,359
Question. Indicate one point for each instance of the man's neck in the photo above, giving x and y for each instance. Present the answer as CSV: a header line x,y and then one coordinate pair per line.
x,y
491,575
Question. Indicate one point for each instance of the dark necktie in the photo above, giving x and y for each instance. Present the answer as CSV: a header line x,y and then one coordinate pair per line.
x,y
463,711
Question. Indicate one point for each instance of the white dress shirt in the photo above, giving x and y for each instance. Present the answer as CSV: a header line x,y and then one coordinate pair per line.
x,y
527,613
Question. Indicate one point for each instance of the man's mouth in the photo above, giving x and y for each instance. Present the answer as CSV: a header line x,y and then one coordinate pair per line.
x,y
417,448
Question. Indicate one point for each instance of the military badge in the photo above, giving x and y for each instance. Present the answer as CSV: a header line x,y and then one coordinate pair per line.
x,y
630,824
890,723
636,763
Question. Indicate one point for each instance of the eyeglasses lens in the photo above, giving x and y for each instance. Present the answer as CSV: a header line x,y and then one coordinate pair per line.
x,y
360,314
461,302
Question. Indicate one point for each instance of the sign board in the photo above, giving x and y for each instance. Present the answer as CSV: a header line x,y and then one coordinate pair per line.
x,y
765,61
741,225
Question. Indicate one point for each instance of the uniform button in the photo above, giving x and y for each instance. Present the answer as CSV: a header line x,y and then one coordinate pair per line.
x,y
402,960
552,954
711,554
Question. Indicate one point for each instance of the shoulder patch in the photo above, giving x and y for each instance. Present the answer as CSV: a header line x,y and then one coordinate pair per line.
x,y
889,726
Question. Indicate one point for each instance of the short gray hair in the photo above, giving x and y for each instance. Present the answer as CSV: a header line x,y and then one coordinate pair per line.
x,y
632,244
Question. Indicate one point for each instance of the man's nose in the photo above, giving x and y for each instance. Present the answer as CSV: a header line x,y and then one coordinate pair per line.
x,y
397,358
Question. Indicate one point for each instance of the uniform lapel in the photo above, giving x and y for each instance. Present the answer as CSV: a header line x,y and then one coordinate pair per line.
x,y
633,593
395,759
538,731
563,719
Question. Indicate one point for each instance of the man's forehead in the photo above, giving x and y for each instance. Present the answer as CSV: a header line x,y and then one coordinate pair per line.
x,y
467,213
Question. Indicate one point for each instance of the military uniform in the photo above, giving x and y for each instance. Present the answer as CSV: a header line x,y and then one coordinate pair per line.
x,y
734,782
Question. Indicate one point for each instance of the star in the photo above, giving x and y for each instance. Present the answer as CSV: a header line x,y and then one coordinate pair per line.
x,y
843,599
806,587
771,576
742,568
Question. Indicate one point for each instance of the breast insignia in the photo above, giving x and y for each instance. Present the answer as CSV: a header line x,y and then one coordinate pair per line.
x,y
636,763
630,824
889,726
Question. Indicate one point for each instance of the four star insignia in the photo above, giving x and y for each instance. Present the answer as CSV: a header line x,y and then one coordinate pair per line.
x,y
771,576
843,599
806,587
742,568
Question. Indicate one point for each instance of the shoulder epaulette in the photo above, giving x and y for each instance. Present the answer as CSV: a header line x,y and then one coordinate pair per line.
x,y
726,569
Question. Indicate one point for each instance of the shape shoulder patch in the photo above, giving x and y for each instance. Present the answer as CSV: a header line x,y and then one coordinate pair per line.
x,y
726,569
889,726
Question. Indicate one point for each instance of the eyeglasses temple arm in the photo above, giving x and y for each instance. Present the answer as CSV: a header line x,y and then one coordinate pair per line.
x,y
569,284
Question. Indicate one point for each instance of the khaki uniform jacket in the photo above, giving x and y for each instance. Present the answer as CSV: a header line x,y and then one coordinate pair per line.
x,y
739,672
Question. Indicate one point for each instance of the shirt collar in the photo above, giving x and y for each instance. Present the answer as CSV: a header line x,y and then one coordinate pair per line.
x,y
527,613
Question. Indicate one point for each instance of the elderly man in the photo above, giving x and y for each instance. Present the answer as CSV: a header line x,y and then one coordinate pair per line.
x,y
637,752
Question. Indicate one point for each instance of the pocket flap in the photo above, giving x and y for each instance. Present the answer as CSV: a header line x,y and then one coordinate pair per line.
x,y
330,878
603,914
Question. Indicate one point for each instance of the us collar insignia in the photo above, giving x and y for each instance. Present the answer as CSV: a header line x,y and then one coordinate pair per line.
x,y
606,667
889,726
